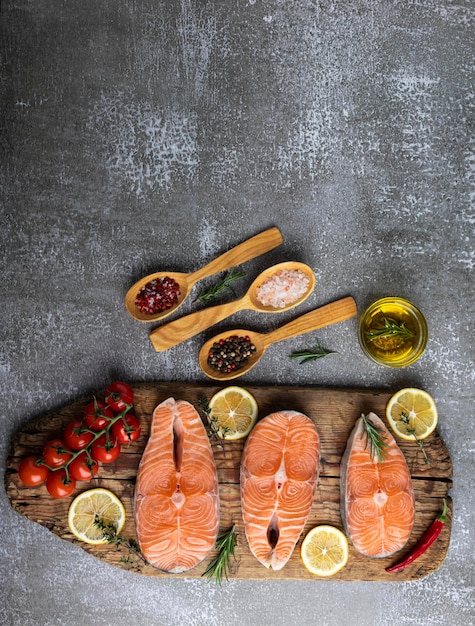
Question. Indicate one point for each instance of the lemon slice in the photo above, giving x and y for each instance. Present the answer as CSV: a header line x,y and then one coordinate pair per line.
x,y
233,411
324,550
412,413
93,505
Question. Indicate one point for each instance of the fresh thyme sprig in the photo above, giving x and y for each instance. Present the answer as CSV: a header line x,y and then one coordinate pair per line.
x,y
374,439
220,286
411,431
312,354
390,328
110,533
214,429
221,565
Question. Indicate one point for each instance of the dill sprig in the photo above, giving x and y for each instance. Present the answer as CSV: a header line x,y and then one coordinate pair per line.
x,y
390,328
375,439
224,284
221,565
312,354
110,533
412,431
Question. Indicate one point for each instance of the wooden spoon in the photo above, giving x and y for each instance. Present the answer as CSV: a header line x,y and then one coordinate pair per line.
x,y
318,318
255,246
184,328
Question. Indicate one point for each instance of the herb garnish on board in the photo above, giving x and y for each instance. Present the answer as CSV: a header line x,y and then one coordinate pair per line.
x,y
221,565
110,533
214,429
411,431
375,438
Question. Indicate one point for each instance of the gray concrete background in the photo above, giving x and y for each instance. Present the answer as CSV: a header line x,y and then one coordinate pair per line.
x,y
144,134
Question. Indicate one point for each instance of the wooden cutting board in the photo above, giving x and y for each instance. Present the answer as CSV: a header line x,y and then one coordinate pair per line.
x,y
334,412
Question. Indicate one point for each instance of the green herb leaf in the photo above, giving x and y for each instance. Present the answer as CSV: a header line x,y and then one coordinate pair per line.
x,y
375,439
221,565
213,428
110,534
224,284
311,354
389,328
411,431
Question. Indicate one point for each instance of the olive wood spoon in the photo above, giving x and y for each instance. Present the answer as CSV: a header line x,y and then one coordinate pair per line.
x,y
318,318
184,328
249,249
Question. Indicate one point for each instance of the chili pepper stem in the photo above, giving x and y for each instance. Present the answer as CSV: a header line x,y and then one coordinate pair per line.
x,y
443,516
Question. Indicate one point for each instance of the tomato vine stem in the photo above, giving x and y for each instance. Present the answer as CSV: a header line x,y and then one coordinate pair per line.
x,y
87,448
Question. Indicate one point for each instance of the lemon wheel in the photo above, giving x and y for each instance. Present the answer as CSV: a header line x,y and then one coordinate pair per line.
x,y
233,412
412,413
324,550
93,506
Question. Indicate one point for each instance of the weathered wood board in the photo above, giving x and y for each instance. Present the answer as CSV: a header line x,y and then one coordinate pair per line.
x,y
334,412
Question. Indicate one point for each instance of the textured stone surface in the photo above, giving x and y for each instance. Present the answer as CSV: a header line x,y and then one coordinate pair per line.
x,y
154,135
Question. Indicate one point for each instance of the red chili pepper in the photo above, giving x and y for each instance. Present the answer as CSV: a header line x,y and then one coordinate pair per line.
x,y
424,542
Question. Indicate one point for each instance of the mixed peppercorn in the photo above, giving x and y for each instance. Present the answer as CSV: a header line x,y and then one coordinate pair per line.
x,y
231,353
158,295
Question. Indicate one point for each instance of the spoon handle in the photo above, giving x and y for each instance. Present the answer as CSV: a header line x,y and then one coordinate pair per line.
x,y
183,328
255,246
318,318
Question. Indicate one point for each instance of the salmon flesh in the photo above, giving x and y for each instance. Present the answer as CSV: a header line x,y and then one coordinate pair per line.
x,y
377,500
279,473
176,494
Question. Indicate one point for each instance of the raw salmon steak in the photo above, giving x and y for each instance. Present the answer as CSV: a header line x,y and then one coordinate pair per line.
x,y
377,500
176,495
279,473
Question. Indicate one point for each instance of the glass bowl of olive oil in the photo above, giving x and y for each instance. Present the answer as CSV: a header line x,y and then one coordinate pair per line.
x,y
393,332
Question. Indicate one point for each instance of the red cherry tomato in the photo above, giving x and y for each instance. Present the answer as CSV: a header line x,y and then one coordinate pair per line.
x,y
83,468
56,453
75,436
118,396
127,429
97,415
57,486
105,450
31,474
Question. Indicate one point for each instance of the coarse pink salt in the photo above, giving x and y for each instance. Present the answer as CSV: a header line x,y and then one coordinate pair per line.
x,y
283,288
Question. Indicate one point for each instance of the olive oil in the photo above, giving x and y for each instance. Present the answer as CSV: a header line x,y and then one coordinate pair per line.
x,y
393,332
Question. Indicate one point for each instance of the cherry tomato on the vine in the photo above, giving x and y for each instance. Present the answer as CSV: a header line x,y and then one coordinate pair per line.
x,y
31,473
57,486
106,449
97,415
83,467
75,436
118,396
127,429
56,453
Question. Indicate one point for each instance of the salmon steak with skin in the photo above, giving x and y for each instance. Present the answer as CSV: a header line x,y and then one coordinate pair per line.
x,y
176,494
377,500
279,473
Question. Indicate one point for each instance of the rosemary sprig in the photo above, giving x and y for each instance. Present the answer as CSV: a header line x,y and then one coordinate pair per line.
x,y
412,431
390,328
214,429
110,533
375,439
224,284
312,354
221,565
